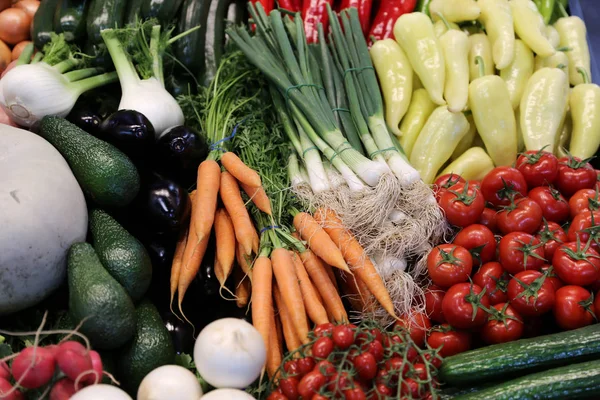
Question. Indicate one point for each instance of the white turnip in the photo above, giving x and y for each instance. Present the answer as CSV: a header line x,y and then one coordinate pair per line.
x,y
101,392
169,382
229,394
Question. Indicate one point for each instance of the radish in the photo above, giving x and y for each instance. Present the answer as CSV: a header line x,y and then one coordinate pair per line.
x,y
73,359
6,387
96,366
169,382
229,394
4,370
31,372
63,389
101,392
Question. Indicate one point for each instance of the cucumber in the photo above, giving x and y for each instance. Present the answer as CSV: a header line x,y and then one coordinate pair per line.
x,y
163,10
104,14
43,23
133,12
521,356
214,45
576,381
189,50
70,18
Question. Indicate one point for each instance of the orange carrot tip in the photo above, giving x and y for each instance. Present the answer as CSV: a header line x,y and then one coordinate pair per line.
x,y
236,167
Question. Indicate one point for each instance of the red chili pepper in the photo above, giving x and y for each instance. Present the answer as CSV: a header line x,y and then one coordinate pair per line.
x,y
268,5
364,11
313,13
389,12
289,5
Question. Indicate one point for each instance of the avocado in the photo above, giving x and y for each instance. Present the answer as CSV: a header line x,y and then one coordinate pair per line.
x,y
106,175
97,296
121,254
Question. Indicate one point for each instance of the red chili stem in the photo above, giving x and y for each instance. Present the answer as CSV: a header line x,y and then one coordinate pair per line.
x,y
383,24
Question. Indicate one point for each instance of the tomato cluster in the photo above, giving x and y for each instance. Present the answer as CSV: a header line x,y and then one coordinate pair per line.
x,y
528,244
361,362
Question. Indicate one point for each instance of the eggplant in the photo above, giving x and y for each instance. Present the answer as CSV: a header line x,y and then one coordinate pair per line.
x,y
86,117
165,205
130,131
180,150
182,333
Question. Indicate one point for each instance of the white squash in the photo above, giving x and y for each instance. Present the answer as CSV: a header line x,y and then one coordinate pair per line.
x,y
42,212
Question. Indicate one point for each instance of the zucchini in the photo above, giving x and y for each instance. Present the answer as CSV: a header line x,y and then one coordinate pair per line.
x,y
104,14
214,45
43,23
521,356
163,10
70,18
134,8
189,49
575,381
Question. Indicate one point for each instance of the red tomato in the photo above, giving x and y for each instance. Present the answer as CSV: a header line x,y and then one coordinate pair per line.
x,y
383,390
480,242
310,384
289,387
552,236
574,307
449,264
551,276
410,387
448,340
433,303
476,183
433,358
355,394
419,371
343,336
322,348
305,365
462,204
446,182
524,215
520,251
503,183
325,367
376,348
585,226
396,364
324,329
584,200
553,205
319,397
538,167
577,264
291,368
494,279
573,175
462,306
339,382
504,325
276,396
530,293
417,324
366,366
597,302
489,218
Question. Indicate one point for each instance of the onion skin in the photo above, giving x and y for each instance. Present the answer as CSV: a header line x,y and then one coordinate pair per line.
x,y
4,4
5,56
14,25
29,6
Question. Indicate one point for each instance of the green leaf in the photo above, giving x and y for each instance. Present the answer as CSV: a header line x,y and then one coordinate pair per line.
x,y
185,360
5,349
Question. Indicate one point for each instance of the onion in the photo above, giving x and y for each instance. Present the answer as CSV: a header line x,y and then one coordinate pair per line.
x,y
169,382
5,56
18,49
29,6
227,394
10,66
5,4
14,25
101,392
229,353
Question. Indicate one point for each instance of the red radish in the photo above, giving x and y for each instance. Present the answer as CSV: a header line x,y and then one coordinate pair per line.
x,y
63,390
4,370
96,367
53,348
73,359
33,372
6,387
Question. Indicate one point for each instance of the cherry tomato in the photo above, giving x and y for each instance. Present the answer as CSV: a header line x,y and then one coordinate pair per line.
x,y
319,397
462,204
419,371
552,236
530,293
395,365
355,394
343,336
410,387
446,182
462,306
383,390
277,396
520,251
597,302
502,184
448,340
435,360
376,348
574,307
449,264
489,218
504,325
291,368
585,226
305,365
339,381
366,366
433,303
524,215
573,175
480,242
322,348
417,324
324,329
584,200
551,276
538,167
376,334
553,204
494,279
289,387
310,384
325,367
577,264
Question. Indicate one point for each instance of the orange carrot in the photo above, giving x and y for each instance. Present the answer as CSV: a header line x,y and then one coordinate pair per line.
x,y
242,261
314,308
287,281
177,260
242,289
355,256
331,298
245,232
289,332
331,275
274,353
259,197
207,187
356,292
318,241
225,243
262,296
236,167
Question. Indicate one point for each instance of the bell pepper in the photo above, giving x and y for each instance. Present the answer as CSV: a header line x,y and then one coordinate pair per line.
x,y
518,72
546,8
585,112
314,12
498,21
389,11
543,108
436,142
494,117
467,141
418,112
530,27
473,164
439,27
414,32
455,47
480,47
454,10
552,35
395,78
558,60
364,11
572,34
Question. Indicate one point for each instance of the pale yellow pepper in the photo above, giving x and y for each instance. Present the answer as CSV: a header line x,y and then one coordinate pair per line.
x,y
558,60
518,72
584,102
454,10
418,112
529,25
520,142
467,141
573,37
564,138
480,46
440,27
473,164
552,35
498,21
455,44
416,82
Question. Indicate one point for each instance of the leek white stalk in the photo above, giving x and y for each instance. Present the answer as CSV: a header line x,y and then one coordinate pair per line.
x,y
335,178
314,165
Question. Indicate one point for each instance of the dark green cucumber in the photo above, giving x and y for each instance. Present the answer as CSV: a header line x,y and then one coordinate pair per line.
x,y
43,23
70,19
521,356
214,45
575,381
104,14
236,15
189,50
134,11
163,10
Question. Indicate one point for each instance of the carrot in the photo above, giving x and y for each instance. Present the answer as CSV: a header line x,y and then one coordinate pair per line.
x,y
262,296
314,307
177,260
245,232
242,261
289,332
351,291
242,288
318,240
225,243
331,275
274,352
322,282
355,256
207,185
259,197
243,173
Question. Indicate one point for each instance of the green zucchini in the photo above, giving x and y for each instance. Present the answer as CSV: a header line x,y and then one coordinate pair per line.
x,y
43,23
521,356
215,38
189,49
163,10
70,19
104,14
133,12
575,381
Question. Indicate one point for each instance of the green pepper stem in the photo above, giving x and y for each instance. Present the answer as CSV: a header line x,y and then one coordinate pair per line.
x,y
562,9
561,66
564,49
481,64
26,54
584,74
444,20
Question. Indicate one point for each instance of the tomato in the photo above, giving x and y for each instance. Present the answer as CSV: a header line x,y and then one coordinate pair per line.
x,y
520,251
322,348
383,390
480,242
462,204
289,387
324,329
305,365
504,325
552,236
417,324
584,200
311,383
431,357
395,365
448,340
355,394
574,307
551,276
524,215
573,175
318,397
276,396
376,348
446,182
597,302
343,336
339,381
577,264
553,205
433,303
539,167
489,218
291,368
530,293
585,226
419,371
366,366
494,279
325,367
449,264
502,184
410,387
462,306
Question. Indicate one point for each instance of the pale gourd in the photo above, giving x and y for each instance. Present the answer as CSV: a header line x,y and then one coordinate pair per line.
x,y
42,212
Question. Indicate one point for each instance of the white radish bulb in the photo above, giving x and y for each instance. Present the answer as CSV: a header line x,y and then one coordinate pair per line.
x,y
229,353
101,392
169,382
227,394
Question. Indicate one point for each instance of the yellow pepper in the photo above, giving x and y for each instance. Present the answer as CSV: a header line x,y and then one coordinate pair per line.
x,y
552,35
395,78
414,33
498,21
518,72
520,142
416,82
439,28
565,136
455,45
558,60
529,25
585,113
473,164
454,10
436,142
572,33
418,112
543,108
467,141
480,47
